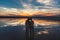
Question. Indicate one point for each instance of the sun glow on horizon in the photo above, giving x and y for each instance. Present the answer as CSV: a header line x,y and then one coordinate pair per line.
x,y
28,12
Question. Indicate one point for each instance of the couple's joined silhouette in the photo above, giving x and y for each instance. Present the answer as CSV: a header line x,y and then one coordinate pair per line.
x,y
29,29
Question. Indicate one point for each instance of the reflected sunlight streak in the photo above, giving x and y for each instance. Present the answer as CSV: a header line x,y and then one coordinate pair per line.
x,y
22,21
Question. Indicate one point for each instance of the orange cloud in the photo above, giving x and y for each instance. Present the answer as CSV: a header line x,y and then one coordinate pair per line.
x,y
28,13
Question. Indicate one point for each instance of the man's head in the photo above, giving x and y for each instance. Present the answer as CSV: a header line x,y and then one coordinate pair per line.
x,y
29,18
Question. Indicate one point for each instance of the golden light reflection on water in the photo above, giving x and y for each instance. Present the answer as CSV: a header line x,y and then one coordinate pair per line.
x,y
22,21
43,32
19,21
46,22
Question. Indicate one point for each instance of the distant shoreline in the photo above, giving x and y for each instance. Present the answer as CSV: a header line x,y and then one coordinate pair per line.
x,y
55,18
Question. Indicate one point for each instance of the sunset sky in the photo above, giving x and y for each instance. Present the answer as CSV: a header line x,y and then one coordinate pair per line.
x,y
29,7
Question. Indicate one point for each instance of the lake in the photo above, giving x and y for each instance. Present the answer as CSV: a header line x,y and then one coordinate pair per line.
x,y
14,29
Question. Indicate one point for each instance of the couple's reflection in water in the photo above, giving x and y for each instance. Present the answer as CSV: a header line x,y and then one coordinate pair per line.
x,y
29,29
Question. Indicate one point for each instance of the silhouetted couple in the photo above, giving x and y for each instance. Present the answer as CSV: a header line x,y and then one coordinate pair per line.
x,y
29,29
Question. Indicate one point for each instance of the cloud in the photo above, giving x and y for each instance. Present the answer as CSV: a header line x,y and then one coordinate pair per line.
x,y
30,4
49,2
24,12
4,9
41,4
46,2
26,6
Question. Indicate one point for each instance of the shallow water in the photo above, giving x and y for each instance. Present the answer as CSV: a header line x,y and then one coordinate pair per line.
x,y
14,29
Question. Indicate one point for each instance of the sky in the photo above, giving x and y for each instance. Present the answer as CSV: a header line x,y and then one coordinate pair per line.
x,y
21,7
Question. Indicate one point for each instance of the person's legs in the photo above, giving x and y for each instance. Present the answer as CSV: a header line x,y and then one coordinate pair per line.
x,y
27,34
32,34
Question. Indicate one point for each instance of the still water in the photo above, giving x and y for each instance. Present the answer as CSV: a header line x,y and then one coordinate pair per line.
x,y
14,29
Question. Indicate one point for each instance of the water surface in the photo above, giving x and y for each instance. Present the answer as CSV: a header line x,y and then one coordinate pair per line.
x,y
14,29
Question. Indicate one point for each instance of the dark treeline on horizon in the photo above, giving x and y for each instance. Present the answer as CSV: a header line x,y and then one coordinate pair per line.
x,y
53,18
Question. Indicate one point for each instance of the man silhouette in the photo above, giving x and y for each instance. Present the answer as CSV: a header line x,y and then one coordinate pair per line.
x,y
29,29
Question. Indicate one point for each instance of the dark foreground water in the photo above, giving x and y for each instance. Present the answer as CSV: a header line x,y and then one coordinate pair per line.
x,y
14,29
